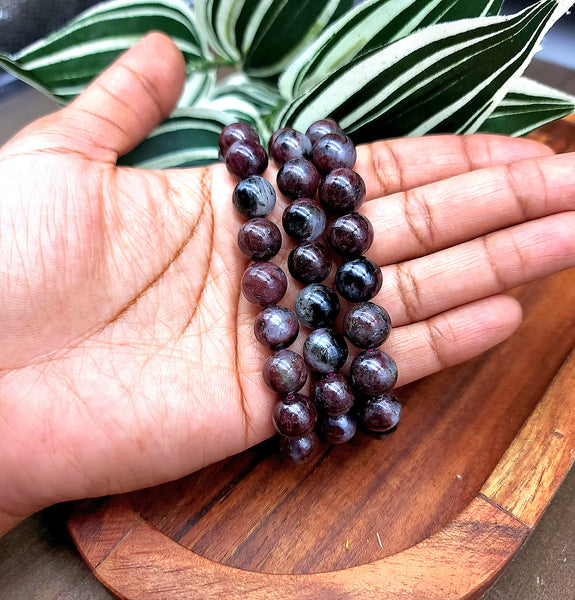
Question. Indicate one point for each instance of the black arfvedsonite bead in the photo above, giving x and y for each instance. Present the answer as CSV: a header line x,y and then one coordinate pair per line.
x,y
298,178
317,306
259,239
325,350
254,197
333,151
366,325
380,413
349,235
245,158
373,372
301,449
333,395
304,220
285,371
309,263
342,191
337,430
276,327
358,280
294,416
287,145
264,283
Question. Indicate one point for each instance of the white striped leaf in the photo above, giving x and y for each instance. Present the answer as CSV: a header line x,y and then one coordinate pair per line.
x,y
239,110
189,138
445,78
63,63
369,25
259,94
528,105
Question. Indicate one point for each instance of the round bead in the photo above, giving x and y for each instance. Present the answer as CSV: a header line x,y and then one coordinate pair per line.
x,y
289,144
358,280
381,413
317,306
333,151
299,450
294,416
254,197
350,235
276,327
298,178
245,158
304,220
342,191
366,325
285,371
234,133
259,239
325,350
373,372
264,283
320,128
333,395
309,263
337,430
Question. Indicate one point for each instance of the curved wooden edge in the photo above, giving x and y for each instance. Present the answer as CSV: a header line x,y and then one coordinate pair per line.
x,y
456,563
539,458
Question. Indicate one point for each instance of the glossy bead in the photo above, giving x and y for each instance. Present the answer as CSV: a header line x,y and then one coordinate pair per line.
x,y
276,327
259,239
337,430
289,144
317,306
304,220
325,350
373,372
298,178
285,371
309,263
333,395
299,450
254,197
294,416
380,413
366,325
358,280
342,191
234,133
320,128
245,158
264,283
333,151
350,235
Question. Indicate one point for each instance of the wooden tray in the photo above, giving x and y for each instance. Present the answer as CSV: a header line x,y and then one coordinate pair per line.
x,y
432,512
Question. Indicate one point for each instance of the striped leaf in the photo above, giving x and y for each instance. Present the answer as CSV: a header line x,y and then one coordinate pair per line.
x,y
189,138
266,35
261,95
63,63
370,25
527,106
445,78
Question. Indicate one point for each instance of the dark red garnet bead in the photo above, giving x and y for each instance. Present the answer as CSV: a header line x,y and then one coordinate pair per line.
x,y
234,133
245,158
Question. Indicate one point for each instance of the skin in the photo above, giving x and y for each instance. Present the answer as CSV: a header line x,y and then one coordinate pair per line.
x,y
128,355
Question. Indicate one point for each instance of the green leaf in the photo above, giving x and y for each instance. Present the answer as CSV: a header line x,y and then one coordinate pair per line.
x,y
528,105
262,96
63,63
445,78
189,138
370,25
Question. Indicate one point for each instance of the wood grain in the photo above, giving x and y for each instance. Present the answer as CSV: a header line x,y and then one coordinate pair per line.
x,y
541,455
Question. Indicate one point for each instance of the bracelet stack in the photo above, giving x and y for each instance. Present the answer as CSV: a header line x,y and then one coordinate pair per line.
x,y
316,175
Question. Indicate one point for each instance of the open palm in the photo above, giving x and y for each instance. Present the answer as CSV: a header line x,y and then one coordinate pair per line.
x,y
128,355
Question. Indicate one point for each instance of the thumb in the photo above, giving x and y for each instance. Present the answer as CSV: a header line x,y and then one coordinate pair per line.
x,y
120,107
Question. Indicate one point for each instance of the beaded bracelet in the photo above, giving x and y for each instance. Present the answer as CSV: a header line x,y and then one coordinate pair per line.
x,y
318,163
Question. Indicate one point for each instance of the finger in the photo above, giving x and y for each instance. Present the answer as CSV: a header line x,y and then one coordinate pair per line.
x,y
123,105
449,212
392,166
415,290
452,337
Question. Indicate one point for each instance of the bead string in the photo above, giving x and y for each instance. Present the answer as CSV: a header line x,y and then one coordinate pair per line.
x,y
340,403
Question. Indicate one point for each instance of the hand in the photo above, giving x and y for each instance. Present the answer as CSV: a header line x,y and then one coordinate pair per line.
x,y
128,355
